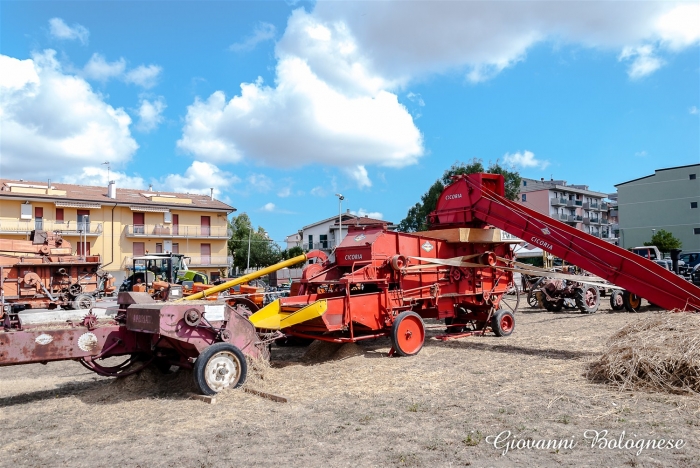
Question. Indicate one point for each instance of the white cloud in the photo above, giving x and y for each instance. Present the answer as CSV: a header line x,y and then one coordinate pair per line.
x,y
145,76
263,32
100,69
53,124
98,175
412,39
526,159
284,192
415,97
641,154
259,182
369,214
318,191
339,116
199,178
150,114
693,110
644,60
270,207
359,175
60,30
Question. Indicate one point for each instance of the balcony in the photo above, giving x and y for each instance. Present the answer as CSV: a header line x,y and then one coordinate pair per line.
x,y
177,231
563,217
218,261
604,221
213,261
65,228
591,205
558,201
589,221
604,206
614,213
328,245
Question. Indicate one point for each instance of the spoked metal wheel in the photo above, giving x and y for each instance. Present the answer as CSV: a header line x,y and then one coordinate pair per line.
x,y
408,334
512,305
220,366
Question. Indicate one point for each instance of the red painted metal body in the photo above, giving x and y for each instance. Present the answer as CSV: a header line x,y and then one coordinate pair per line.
x,y
173,333
477,199
379,274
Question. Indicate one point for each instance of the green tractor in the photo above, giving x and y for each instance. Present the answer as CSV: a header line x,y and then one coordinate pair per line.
x,y
168,267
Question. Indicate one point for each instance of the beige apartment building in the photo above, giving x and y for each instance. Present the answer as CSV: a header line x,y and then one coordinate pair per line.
x,y
119,224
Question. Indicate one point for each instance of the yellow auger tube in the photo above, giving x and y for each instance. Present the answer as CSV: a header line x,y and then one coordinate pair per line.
x,y
246,278
271,317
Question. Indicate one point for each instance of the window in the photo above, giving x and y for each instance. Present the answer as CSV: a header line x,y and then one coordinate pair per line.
x,y
693,204
59,215
696,230
692,176
159,247
324,241
139,249
205,251
176,248
139,223
524,183
311,242
39,218
524,197
205,225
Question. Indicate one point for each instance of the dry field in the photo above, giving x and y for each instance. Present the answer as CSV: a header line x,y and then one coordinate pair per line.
x,y
359,408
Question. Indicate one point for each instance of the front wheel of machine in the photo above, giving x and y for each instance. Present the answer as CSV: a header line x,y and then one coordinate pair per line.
x,y
631,301
220,366
83,302
503,322
588,299
407,334
616,300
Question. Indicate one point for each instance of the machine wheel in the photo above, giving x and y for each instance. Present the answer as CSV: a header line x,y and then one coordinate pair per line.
x,y
407,334
616,302
83,302
631,301
588,299
532,299
220,366
503,322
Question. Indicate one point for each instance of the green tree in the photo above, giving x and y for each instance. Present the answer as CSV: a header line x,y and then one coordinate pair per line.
x,y
416,219
263,251
664,241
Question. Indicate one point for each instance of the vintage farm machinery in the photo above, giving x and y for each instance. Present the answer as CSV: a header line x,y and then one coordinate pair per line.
x,y
379,283
43,273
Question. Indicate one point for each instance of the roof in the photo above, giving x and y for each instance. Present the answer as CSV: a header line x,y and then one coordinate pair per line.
x,y
139,199
539,185
348,218
657,170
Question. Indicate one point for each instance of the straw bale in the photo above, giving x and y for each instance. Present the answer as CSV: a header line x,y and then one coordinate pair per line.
x,y
660,353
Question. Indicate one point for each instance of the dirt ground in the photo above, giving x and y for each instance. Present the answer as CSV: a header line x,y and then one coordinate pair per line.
x,y
359,407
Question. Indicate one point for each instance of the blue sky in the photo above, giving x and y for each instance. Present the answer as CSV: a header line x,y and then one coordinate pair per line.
x,y
280,105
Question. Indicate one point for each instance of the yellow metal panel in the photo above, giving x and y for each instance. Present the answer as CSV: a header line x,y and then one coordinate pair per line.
x,y
271,316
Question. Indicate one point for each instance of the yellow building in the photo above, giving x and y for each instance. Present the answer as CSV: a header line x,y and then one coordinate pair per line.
x,y
119,224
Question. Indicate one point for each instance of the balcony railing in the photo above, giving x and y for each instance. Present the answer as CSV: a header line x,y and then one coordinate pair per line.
x,y
328,245
211,261
604,221
614,212
177,230
563,217
194,261
592,205
604,206
591,220
558,201
66,228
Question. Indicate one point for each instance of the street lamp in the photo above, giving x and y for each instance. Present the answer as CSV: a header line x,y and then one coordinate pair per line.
x,y
106,163
340,219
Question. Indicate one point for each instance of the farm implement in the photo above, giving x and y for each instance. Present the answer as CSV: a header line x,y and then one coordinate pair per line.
x,y
377,283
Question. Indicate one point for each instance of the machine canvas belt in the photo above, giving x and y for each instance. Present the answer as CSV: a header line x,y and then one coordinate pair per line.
x,y
521,268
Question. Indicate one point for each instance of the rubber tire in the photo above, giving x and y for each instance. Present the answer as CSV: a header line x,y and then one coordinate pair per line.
x,y
395,333
200,366
613,300
581,300
497,322
632,302
82,300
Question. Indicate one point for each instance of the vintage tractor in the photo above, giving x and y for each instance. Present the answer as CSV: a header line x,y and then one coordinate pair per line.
x,y
554,294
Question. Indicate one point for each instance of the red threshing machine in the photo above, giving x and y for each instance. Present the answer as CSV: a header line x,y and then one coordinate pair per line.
x,y
385,283
381,284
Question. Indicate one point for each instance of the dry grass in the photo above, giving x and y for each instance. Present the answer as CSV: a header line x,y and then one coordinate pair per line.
x,y
355,407
661,353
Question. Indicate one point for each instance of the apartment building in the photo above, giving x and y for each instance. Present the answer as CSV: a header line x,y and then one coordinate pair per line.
x,y
667,199
575,205
327,233
119,224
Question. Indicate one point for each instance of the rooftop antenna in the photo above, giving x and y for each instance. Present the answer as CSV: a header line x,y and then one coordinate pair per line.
x,y
106,163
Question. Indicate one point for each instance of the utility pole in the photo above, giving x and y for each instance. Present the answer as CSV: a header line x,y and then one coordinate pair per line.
x,y
250,234
340,219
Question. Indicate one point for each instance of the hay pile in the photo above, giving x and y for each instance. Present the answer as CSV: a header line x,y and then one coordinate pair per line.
x,y
322,351
660,353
